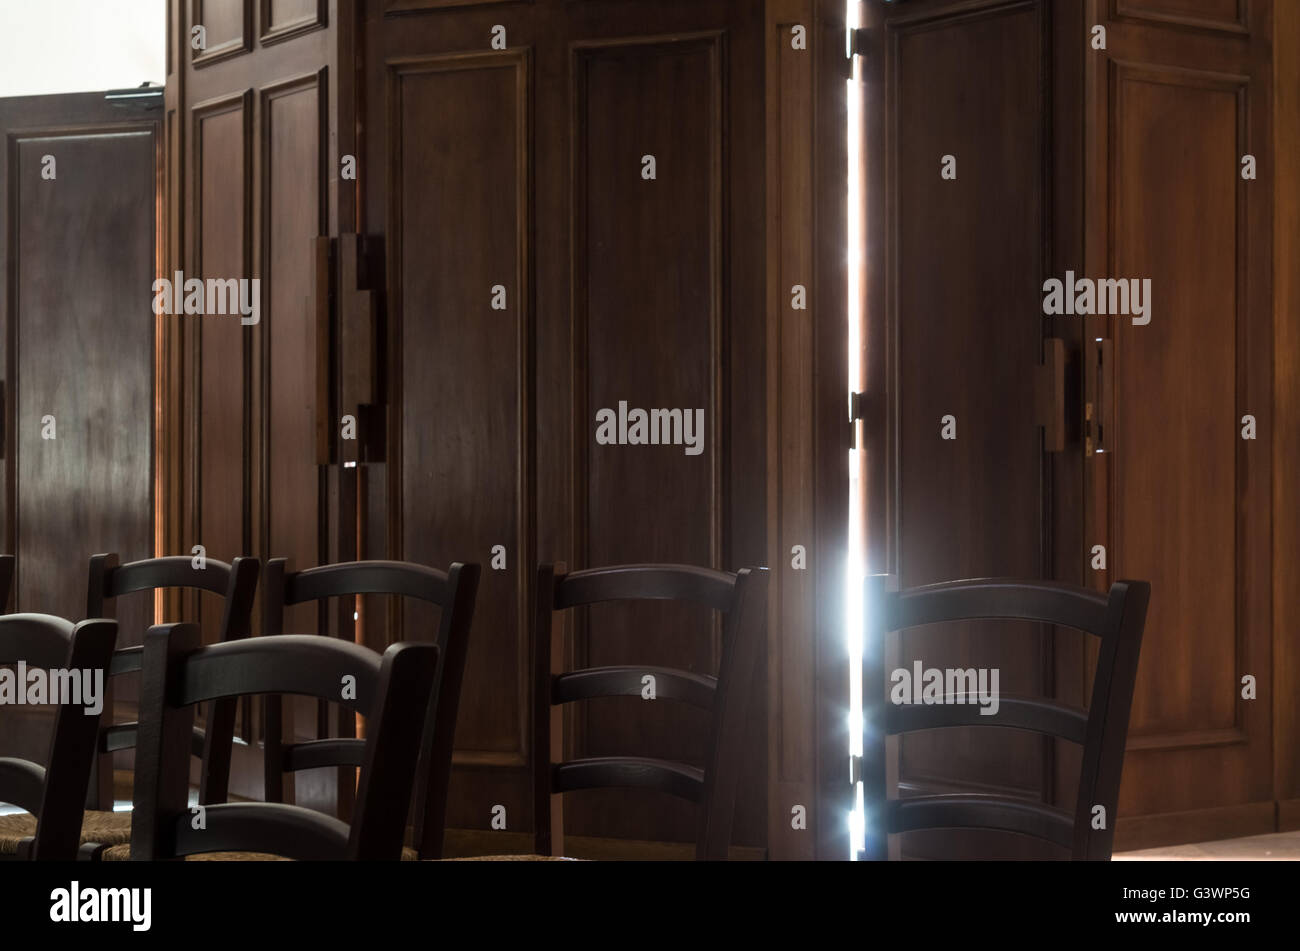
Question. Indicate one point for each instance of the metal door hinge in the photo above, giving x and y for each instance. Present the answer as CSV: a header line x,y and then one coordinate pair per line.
x,y
857,411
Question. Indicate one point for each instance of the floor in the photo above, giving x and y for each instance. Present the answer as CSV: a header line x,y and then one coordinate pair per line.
x,y
1277,846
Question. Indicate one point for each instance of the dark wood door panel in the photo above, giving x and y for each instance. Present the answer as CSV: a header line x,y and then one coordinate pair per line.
x,y
651,340
1184,486
1180,498
84,270
458,153
966,317
79,332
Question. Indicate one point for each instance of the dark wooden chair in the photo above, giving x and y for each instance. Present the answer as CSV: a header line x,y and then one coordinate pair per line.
x,y
54,794
453,592
392,691
740,597
1117,620
236,583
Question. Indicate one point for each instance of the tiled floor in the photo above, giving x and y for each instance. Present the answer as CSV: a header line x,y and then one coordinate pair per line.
x,y
1278,846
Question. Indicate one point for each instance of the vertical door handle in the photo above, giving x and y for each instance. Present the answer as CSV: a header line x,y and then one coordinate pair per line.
x,y
322,303
1099,410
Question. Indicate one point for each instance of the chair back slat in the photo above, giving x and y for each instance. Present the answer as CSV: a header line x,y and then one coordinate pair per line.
x,y
647,582
320,754
1000,599
308,665
640,772
1116,619
740,598
453,592
1020,713
392,691
669,684
980,812
56,792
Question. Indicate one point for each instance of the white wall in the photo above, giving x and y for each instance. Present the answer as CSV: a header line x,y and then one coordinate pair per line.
x,y
51,46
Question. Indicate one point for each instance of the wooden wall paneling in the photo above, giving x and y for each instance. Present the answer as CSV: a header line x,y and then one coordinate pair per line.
x,y
647,336
582,298
1286,417
460,465
280,20
1225,16
1183,500
258,166
791,463
229,30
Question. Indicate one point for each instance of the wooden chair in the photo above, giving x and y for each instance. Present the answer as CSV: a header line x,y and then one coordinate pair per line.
x,y
54,794
740,597
392,691
236,583
454,592
1117,620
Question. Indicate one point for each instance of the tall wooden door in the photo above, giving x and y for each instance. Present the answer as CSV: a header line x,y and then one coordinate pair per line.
x,y
250,135
1013,142
1182,494
970,468
79,182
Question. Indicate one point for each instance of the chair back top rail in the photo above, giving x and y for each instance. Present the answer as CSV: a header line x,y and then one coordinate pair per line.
x,y
362,577
305,664
996,599
39,640
1020,713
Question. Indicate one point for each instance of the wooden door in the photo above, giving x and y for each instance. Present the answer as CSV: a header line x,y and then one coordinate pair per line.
x,y
79,183
1181,95
1107,139
966,477
251,159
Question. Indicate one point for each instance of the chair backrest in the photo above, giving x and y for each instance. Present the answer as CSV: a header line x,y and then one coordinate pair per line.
x,y
1116,619
454,592
391,690
236,583
56,792
7,565
740,597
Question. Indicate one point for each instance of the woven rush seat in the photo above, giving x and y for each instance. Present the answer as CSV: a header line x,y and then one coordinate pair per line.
x,y
107,828
514,858
122,853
